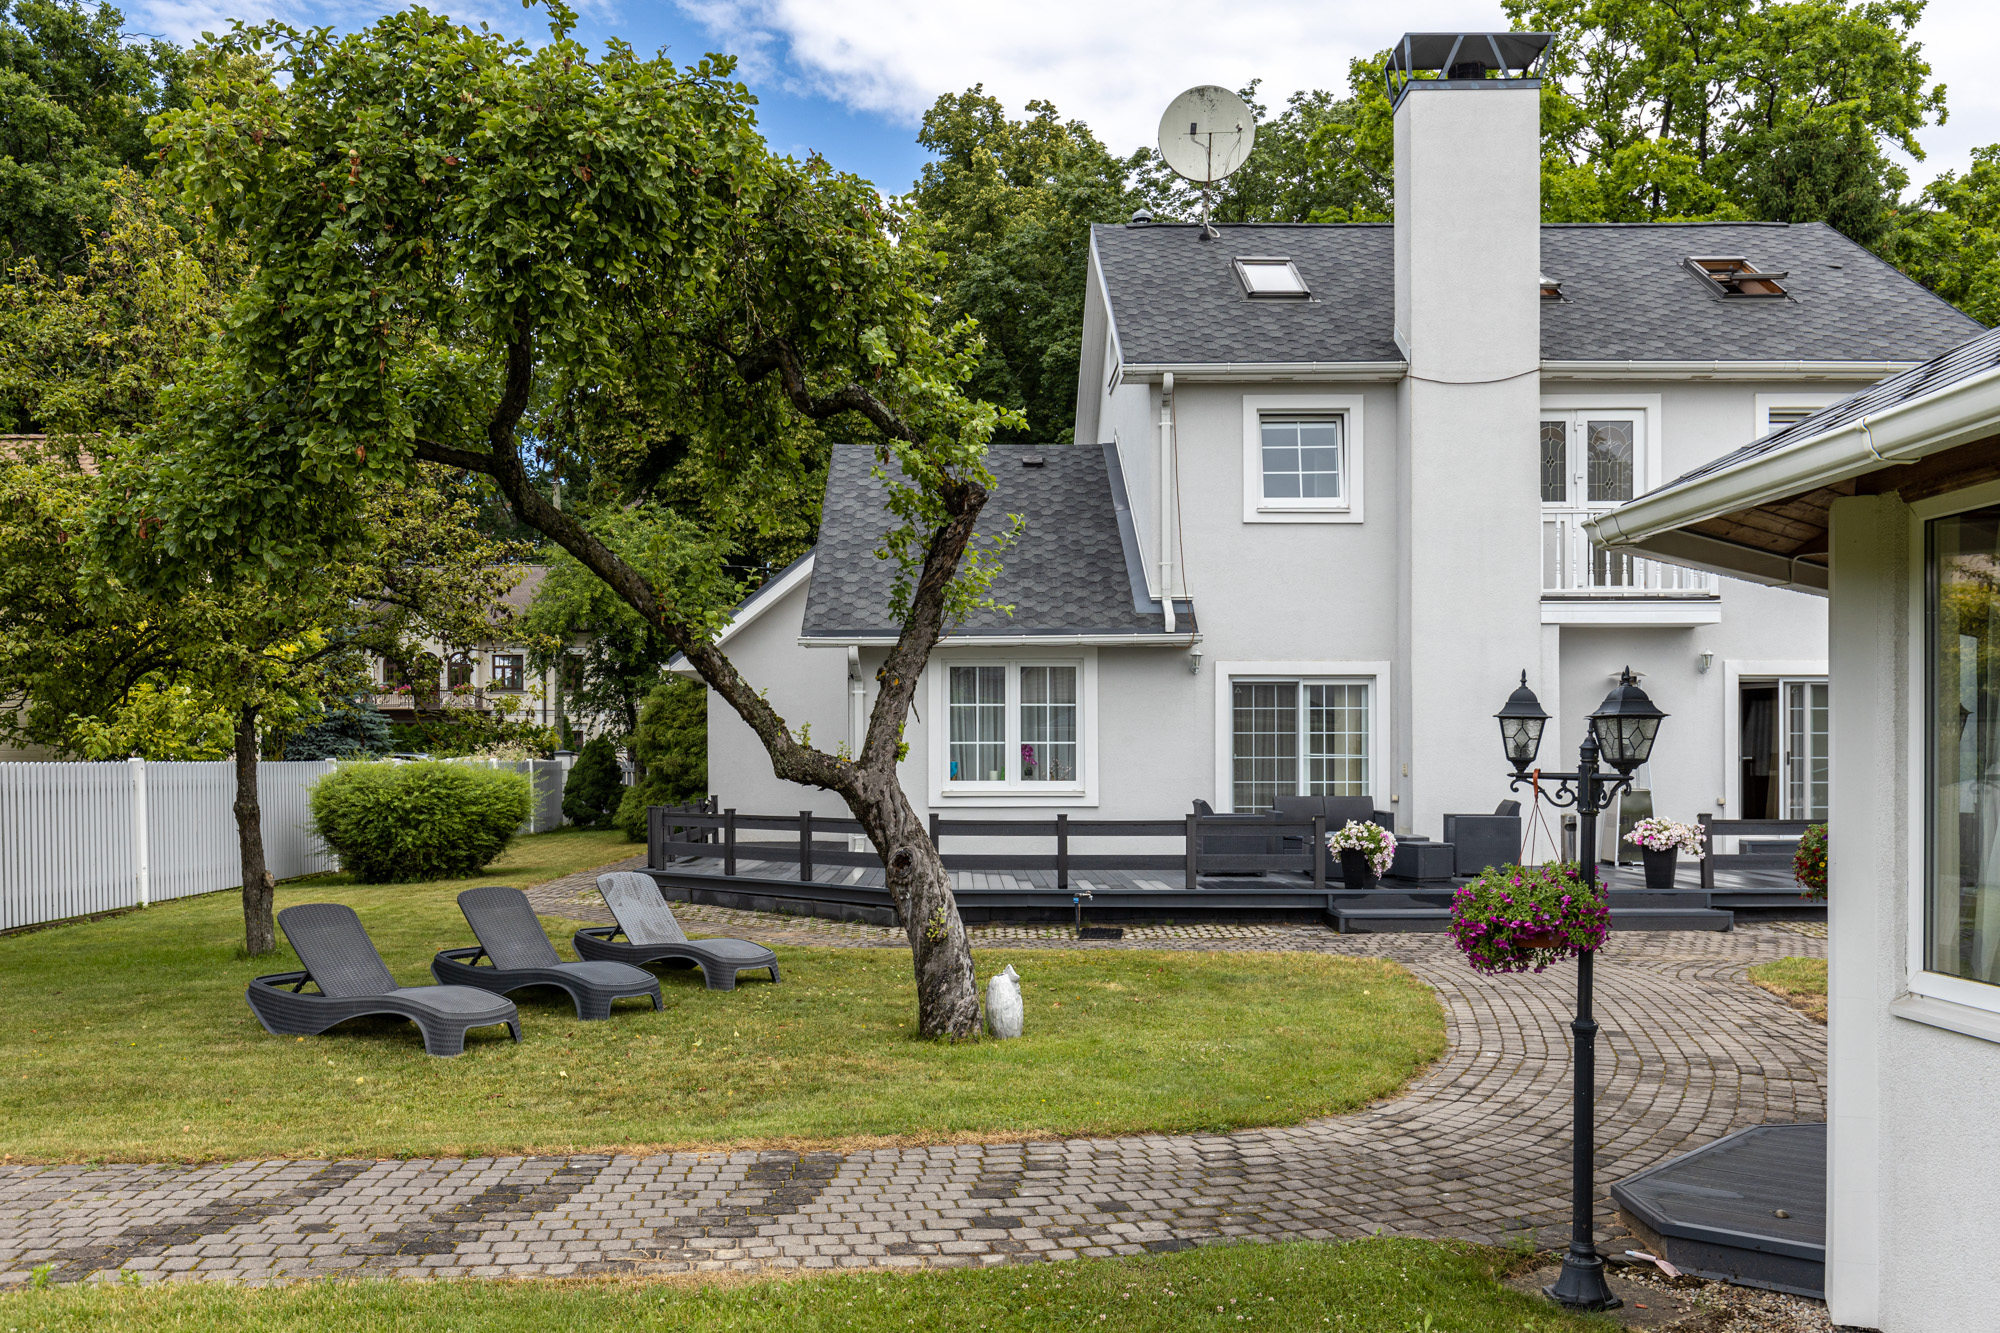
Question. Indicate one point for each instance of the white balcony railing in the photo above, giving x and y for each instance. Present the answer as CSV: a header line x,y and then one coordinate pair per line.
x,y
1572,566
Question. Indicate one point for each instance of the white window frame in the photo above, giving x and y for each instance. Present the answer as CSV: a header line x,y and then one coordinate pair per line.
x,y
1737,672
1375,675
1954,993
1013,791
1766,403
1346,509
1647,468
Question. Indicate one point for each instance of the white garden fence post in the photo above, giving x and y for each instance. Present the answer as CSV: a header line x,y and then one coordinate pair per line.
x,y
141,870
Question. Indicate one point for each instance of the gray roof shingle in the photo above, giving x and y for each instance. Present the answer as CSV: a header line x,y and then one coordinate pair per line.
x,y
1176,300
1067,574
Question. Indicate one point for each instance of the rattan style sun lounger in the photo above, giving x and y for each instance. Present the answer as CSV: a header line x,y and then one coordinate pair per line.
x,y
653,936
342,961
509,934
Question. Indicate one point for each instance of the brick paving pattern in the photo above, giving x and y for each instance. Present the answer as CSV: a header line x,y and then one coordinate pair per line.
x,y
1477,1147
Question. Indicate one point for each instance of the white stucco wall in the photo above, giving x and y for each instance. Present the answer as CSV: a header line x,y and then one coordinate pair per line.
x,y
1913,1110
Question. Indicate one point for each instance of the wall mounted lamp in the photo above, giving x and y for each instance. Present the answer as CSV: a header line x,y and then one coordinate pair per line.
x,y
1194,661
1704,662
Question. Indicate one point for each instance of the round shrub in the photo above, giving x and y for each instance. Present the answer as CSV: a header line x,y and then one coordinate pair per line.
x,y
392,823
591,795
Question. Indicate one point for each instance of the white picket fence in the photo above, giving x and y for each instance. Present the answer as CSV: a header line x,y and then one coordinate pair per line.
x,y
83,838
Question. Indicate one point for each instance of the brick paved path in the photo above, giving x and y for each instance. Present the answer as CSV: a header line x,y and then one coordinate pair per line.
x,y
1477,1147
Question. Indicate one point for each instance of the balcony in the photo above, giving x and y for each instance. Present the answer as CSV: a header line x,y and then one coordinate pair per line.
x,y
1584,585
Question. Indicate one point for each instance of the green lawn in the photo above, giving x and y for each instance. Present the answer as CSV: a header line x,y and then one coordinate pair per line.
x,y
128,1039
1802,981
1369,1286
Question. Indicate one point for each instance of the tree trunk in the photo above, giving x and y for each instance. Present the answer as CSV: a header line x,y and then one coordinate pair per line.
x,y
947,999
260,931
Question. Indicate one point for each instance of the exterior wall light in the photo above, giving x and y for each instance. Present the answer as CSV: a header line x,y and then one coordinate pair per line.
x,y
1194,661
1704,662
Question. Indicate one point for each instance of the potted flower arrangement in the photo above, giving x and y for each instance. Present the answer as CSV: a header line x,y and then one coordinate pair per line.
x,y
1809,862
1662,841
1522,918
1367,850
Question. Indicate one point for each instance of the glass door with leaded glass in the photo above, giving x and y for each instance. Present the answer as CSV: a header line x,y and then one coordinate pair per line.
x,y
1590,462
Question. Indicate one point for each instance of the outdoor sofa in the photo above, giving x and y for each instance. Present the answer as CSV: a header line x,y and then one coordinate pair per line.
x,y
652,935
342,962
511,937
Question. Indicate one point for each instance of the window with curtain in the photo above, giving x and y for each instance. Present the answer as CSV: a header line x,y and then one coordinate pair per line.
x,y
1963,740
1048,724
1276,723
978,724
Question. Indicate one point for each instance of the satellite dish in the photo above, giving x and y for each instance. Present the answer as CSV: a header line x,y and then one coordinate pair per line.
x,y
1206,133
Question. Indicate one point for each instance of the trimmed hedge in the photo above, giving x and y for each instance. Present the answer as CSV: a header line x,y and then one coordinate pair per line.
x,y
393,823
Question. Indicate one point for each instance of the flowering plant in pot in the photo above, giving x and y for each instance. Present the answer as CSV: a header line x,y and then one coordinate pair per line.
x,y
1366,851
1662,841
1809,862
1522,918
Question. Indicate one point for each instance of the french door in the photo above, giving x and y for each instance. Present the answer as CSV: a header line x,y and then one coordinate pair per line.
x,y
1590,463
1803,765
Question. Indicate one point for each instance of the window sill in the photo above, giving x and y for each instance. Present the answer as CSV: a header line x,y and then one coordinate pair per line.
x,y
1302,514
1952,1017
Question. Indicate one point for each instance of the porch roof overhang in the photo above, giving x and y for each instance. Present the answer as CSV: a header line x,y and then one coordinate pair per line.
x,y
1765,516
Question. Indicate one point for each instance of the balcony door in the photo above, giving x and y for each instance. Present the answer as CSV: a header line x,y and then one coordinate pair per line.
x,y
1784,736
1591,462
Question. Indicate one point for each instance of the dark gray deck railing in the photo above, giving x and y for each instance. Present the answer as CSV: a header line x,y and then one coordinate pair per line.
x,y
703,830
1715,828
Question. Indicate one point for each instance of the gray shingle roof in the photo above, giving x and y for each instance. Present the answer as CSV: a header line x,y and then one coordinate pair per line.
x,y
1068,574
1175,299
1961,363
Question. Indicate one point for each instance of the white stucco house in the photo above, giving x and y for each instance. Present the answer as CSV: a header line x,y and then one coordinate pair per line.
x,y
1326,503
1889,505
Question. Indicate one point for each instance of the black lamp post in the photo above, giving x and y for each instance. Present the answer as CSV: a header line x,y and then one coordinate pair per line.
x,y
1621,733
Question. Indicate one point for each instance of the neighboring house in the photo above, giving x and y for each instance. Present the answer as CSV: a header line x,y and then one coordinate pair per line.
x,y
1357,461
1889,503
488,677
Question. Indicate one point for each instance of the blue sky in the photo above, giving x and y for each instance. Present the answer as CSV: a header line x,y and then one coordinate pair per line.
x,y
851,78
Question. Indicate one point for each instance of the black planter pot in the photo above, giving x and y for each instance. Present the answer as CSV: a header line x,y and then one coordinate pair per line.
x,y
1660,866
1355,868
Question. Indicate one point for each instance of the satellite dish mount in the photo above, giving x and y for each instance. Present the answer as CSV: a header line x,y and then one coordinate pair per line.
x,y
1206,133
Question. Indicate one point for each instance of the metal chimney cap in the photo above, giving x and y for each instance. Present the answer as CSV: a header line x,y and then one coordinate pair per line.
x,y
1461,57
1141,218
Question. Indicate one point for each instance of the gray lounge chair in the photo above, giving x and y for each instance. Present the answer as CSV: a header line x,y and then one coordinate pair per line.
x,y
340,959
509,935
653,936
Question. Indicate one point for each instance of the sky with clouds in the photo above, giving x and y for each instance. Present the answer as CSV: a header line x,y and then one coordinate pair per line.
x,y
851,78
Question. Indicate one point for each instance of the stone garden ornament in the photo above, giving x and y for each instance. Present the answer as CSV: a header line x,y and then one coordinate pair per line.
x,y
1003,1004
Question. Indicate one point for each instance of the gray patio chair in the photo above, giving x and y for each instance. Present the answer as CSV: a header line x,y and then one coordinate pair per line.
x,y
342,962
653,936
511,937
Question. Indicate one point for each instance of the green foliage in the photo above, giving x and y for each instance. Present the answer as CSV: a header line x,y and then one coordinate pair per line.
x,y
350,731
671,749
1950,239
595,785
156,721
74,98
458,732
1009,205
394,823
1782,110
608,657
1809,862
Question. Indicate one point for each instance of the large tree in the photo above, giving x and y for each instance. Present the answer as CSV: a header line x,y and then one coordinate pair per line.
x,y
1948,238
446,225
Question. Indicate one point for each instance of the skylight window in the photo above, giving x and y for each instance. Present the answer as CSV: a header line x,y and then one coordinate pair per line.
x,y
1271,276
1551,289
1735,276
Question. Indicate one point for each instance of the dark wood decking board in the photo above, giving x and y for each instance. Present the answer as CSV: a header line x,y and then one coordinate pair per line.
x,y
1716,1209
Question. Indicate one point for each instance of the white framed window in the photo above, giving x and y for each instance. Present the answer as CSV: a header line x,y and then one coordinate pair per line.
x,y
1300,729
1775,411
1271,276
1015,728
1302,456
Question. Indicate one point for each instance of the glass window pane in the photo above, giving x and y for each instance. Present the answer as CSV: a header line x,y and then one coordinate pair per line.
x,y
1265,722
978,724
1048,724
1963,933
1609,445
1302,459
1278,277
1555,462
1337,740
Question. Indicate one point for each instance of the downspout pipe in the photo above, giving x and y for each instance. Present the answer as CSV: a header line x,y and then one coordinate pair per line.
x,y
1167,501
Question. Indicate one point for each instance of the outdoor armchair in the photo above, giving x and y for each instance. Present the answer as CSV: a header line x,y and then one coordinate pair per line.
x,y
521,955
342,962
652,935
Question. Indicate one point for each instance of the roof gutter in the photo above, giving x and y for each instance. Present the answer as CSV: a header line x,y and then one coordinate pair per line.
x,y
1190,372
1724,370
1180,640
1901,433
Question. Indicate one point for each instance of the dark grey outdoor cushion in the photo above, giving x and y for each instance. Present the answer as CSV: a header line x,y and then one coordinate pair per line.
x,y
342,962
653,936
511,936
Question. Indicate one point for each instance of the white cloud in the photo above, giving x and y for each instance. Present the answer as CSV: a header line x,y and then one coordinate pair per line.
x,y
1117,63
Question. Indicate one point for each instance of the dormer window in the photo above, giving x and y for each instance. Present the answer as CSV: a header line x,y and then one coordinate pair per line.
x,y
1271,277
1735,276
1551,289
